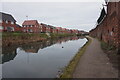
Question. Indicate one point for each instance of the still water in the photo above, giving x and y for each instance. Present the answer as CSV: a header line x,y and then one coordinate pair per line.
x,y
39,59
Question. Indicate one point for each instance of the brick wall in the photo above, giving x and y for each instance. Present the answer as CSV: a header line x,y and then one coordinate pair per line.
x,y
109,29
6,25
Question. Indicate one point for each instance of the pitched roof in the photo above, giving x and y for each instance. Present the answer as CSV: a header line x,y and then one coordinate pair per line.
x,y
63,28
58,28
50,26
44,25
29,22
102,15
7,17
18,25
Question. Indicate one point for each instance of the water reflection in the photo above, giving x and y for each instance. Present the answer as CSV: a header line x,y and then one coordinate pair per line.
x,y
39,59
9,53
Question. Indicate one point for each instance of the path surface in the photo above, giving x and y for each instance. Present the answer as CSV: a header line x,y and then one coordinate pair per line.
x,y
94,63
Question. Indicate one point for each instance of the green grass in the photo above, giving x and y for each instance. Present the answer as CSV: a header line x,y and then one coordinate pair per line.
x,y
69,69
18,34
53,35
107,47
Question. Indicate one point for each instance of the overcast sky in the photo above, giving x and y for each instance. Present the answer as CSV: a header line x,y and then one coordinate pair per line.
x,y
72,15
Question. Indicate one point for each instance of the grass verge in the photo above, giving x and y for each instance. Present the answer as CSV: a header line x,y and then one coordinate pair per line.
x,y
69,69
107,47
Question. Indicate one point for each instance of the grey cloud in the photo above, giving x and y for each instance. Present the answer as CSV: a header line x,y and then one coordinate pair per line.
x,y
78,15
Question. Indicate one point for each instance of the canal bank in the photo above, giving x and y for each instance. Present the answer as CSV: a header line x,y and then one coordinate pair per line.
x,y
69,69
13,38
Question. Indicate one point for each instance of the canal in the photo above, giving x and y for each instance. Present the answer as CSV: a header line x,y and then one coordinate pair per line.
x,y
39,59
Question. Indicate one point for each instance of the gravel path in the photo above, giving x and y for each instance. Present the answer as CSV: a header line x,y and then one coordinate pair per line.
x,y
94,63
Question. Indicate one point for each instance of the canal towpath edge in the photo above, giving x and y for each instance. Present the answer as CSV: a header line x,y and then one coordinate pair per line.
x,y
94,63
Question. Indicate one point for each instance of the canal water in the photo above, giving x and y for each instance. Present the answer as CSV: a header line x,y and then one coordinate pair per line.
x,y
40,59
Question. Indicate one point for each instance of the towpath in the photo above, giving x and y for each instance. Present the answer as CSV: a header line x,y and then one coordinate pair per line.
x,y
94,63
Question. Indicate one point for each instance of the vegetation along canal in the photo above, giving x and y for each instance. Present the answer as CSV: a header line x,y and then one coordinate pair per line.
x,y
40,59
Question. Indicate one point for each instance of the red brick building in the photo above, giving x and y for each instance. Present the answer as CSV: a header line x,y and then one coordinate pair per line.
x,y
7,22
51,28
108,28
43,29
19,28
46,28
31,26
59,30
54,30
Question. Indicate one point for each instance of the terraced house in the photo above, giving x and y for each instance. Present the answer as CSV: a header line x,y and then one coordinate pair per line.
x,y
31,26
7,22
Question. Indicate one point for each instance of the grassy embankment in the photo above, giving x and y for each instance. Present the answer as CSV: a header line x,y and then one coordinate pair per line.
x,y
112,53
42,35
16,34
11,38
69,69
53,35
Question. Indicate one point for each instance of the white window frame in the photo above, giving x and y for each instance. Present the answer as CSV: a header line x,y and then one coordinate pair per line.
x,y
12,22
6,21
1,21
1,27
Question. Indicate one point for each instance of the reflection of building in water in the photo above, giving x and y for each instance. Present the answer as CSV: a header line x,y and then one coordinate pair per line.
x,y
31,50
9,53
8,57
75,38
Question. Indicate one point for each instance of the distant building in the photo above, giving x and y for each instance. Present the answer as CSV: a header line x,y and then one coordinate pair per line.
x,y
18,28
45,28
51,28
31,26
59,30
54,30
7,22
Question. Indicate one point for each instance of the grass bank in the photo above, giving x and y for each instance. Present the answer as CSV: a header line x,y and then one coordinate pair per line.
x,y
18,34
16,38
112,54
69,69
106,46
53,35
42,35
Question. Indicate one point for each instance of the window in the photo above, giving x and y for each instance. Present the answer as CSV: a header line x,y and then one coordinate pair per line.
x,y
12,22
30,30
6,21
24,30
10,28
0,21
1,27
